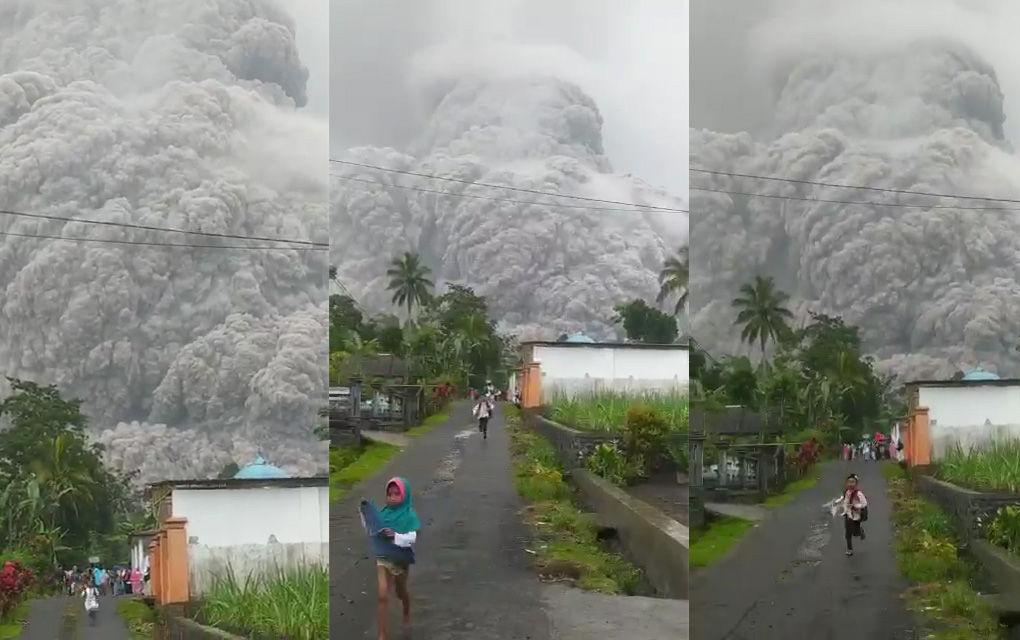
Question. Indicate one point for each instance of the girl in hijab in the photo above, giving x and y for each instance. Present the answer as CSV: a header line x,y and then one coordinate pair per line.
x,y
399,527
855,511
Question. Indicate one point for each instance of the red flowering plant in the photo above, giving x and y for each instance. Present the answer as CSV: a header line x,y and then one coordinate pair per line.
x,y
15,581
807,454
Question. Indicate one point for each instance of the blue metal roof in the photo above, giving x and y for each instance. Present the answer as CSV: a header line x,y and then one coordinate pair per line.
x,y
980,375
260,470
579,338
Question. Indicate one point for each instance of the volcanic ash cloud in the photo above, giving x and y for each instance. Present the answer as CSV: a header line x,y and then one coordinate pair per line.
x,y
177,114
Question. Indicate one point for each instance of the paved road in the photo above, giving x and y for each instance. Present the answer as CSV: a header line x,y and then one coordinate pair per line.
x,y
472,580
46,621
790,578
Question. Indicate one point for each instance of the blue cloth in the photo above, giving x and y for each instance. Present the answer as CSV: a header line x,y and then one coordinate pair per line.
x,y
401,518
383,547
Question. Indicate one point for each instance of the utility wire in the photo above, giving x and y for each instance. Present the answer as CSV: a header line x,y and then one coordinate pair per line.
x,y
859,202
851,186
637,207
497,199
347,292
128,225
161,244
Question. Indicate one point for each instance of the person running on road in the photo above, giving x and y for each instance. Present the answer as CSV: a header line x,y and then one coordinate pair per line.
x,y
855,509
483,411
400,525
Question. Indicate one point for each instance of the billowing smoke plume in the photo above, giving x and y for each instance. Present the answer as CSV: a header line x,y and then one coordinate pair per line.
x,y
179,114
911,107
544,269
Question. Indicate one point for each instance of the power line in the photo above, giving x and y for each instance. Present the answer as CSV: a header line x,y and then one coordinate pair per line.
x,y
160,244
495,198
128,225
509,188
860,202
347,292
850,186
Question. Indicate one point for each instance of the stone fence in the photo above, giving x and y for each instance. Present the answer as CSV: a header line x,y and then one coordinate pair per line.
x,y
174,624
572,445
970,511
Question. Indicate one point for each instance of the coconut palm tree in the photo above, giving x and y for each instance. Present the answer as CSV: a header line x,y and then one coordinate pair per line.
x,y
762,313
674,279
409,281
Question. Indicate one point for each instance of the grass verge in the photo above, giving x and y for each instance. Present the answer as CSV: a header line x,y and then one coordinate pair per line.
x,y
140,619
429,423
791,490
291,603
713,541
567,545
926,552
348,465
12,624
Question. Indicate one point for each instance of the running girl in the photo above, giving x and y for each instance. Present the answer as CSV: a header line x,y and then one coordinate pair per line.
x,y
400,526
855,512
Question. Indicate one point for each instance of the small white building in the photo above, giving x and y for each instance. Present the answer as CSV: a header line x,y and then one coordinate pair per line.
x,y
978,408
257,522
139,544
581,365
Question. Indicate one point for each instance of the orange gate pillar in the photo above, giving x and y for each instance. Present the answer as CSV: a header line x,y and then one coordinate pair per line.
x,y
155,569
177,561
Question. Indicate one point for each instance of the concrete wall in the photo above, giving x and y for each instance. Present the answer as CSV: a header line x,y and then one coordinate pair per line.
x,y
252,530
586,369
970,415
657,543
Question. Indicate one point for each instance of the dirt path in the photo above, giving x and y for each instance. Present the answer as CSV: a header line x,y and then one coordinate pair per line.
x,y
790,578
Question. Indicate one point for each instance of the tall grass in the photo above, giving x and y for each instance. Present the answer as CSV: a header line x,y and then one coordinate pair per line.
x,y
993,467
607,410
287,603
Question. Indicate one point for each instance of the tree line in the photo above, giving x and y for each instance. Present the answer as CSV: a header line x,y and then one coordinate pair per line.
x,y
814,380
451,336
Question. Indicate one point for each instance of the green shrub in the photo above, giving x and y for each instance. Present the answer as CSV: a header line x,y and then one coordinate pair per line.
x,y
644,437
1004,529
607,461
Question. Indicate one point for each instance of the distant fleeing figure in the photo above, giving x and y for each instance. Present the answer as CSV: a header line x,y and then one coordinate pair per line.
x,y
393,531
483,411
855,512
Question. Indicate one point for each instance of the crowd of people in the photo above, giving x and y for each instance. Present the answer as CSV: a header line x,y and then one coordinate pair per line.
x,y
116,582
879,447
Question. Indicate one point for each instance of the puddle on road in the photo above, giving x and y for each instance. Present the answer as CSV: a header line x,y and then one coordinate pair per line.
x,y
446,470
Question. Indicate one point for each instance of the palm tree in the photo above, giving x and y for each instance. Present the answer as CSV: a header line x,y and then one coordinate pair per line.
x,y
675,278
761,311
409,281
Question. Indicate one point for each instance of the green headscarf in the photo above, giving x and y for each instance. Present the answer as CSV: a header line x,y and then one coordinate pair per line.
x,y
401,518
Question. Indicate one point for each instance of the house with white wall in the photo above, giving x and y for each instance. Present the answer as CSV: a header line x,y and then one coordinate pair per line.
x,y
257,522
977,409
580,365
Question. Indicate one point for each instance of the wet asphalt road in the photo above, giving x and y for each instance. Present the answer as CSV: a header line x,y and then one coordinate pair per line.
x,y
790,577
47,620
472,580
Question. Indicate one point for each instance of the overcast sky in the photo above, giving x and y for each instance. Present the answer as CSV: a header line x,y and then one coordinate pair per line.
x,y
313,45
632,57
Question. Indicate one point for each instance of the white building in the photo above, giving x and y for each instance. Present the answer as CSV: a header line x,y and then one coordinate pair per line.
x,y
581,365
257,522
973,411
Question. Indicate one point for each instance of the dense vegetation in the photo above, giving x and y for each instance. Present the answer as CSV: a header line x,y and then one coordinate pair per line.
x,y
813,380
59,504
